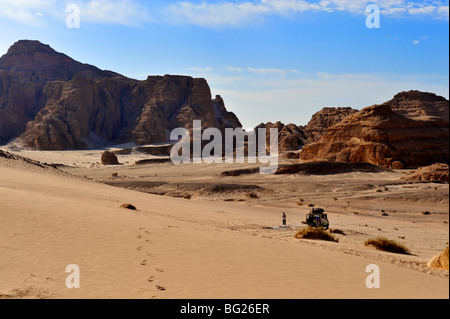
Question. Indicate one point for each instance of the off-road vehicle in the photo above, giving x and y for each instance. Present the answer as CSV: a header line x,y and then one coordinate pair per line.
x,y
317,218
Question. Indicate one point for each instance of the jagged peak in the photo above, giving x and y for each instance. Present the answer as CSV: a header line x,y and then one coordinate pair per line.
x,y
29,46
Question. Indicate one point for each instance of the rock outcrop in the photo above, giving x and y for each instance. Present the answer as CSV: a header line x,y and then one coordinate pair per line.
x,y
417,105
438,172
380,136
109,158
49,101
292,137
324,119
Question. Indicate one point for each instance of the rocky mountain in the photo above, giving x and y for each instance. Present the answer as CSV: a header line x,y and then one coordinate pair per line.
x,y
416,104
292,137
325,118
49,101
382,136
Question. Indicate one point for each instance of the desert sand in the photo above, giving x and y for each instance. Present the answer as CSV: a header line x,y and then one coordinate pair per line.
x,y
219,243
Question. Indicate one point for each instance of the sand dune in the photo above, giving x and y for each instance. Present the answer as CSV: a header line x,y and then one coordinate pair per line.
x,y
206,247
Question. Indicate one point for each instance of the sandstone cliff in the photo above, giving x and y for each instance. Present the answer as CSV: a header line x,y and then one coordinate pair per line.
x,y
322,120
50,101
292,137
380,136
416,104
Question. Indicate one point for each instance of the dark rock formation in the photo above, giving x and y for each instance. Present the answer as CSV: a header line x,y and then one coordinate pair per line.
x,y
50,101
109,158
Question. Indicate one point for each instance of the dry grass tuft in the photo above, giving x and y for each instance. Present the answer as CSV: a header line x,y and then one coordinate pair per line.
x,y
128,206
337,231
252,195
384,244
315,233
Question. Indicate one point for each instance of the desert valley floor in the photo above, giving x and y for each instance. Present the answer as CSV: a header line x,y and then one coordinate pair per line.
x,y
196,233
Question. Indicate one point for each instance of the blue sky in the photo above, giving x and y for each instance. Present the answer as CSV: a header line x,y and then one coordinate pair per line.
x,y
271,60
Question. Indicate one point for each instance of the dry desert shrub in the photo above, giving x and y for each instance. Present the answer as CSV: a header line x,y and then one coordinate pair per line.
x,y
384,244
440,261
337,231
315,233
128,206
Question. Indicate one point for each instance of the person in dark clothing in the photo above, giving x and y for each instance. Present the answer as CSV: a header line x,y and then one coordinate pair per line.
x,y
284,219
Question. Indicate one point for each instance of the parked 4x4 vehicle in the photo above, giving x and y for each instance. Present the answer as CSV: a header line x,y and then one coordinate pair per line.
x,y
317,218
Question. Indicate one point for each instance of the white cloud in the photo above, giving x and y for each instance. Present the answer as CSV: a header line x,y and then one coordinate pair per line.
x,y
200,69
30,12
279,72
207,13
124,12
234,69
238,13
416,42
296,99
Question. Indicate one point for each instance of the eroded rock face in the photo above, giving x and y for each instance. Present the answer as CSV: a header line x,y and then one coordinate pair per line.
x,y
290,137
50,101
324,119
416,104
380,136
438,172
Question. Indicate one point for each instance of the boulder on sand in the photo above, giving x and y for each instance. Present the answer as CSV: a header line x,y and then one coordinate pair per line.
x,y
109,158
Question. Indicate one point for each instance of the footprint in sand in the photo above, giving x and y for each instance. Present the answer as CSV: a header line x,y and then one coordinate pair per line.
x,y
144,262
139,248
160,288
151,279
159,270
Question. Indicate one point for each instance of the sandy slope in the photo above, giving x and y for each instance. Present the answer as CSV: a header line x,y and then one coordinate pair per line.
x,y
176,248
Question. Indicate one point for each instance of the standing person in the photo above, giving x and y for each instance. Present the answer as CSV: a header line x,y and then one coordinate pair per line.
x,y
284,219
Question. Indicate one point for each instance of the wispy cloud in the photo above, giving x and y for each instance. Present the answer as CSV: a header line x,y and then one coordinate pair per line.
x,y
295,99
124,12
32,12
29,12
238,13
207,13
234,69
197,69
268,71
